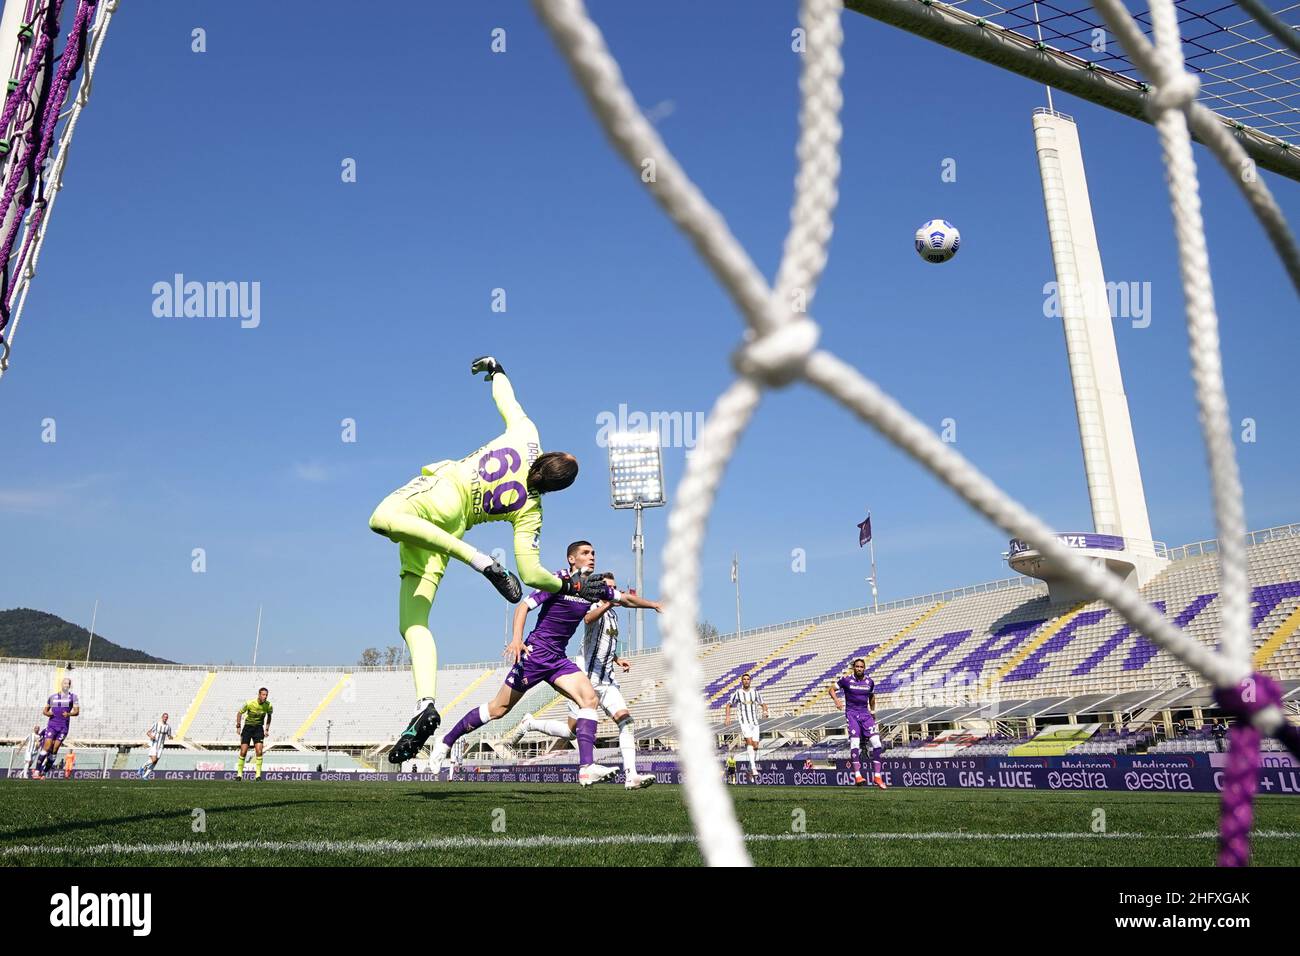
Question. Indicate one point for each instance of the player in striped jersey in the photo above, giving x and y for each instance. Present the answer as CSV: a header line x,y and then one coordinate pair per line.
x,y
601,662
31,749
747,702
158,735
455,757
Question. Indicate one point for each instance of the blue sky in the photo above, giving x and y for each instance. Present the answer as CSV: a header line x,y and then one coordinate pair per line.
x,y
478,171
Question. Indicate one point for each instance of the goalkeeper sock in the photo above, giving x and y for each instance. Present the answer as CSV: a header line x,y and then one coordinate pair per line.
x,y
480,561
553,728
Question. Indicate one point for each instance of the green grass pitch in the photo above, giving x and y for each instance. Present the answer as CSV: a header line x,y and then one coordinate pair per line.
x,y
153,823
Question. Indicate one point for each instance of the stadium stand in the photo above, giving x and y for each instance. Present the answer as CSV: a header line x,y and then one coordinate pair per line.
x,y
361,707
999,660
1004,652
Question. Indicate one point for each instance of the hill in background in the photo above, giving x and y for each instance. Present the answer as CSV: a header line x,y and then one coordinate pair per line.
x,y
28,633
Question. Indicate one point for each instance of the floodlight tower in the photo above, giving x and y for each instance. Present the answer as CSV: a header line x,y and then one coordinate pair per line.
x,y
1121,536
636,480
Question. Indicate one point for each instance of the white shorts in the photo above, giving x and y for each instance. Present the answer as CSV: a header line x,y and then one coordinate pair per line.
x,y
155,752
749,731
611,700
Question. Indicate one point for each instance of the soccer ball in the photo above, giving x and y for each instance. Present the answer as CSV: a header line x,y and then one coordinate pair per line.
x,y
937,240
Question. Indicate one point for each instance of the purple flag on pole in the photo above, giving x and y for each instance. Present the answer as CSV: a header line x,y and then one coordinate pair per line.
x,y
864,532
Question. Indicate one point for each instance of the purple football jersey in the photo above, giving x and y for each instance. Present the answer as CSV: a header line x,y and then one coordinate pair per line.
x,y
857,693
60,705
559,616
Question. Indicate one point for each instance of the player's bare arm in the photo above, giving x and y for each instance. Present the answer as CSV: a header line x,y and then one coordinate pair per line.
x,y
839,705
597,609
635,600
516,649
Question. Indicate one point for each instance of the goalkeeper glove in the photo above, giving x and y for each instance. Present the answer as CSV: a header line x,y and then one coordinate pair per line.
x,y
589,588
486,364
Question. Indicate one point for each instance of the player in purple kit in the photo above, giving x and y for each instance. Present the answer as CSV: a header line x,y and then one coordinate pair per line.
x,y
60,708
542,660
859,702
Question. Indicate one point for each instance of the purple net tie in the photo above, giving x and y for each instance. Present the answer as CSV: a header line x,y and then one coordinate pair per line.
x,y
1254,694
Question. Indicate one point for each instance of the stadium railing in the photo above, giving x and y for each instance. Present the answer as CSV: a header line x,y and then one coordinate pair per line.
x,y
1211,545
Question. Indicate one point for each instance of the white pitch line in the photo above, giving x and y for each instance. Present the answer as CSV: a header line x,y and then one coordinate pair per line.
x,y
197,848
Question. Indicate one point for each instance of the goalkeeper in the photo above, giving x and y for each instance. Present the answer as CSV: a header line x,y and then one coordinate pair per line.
x,y
427,517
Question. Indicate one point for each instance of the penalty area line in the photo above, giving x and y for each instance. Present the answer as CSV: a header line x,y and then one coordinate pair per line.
x,y
198,848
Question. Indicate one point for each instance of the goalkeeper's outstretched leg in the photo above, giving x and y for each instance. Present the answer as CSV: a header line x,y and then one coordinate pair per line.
x,y
414,604
425,518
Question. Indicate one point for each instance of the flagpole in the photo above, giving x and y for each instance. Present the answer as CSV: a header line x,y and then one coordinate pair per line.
x,y
866,537
735,577
93,616
875,604
257,638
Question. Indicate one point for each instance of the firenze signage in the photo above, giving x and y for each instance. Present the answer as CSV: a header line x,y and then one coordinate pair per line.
x,y
1077,540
